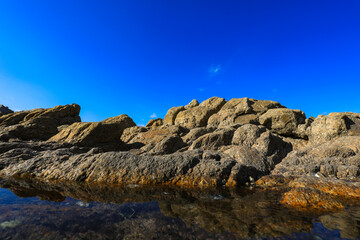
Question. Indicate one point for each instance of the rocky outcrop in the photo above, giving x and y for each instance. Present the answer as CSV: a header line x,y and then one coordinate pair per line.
x,y
214,143
145,139
241,111
91,134
171,114
155,122
199,115
5,110
284,122
325,128
214,140
38,124
337,158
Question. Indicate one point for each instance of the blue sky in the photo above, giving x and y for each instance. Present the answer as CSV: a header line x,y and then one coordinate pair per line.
x,y
143,57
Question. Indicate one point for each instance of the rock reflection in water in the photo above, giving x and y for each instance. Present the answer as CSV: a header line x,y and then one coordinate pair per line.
x,y
135,212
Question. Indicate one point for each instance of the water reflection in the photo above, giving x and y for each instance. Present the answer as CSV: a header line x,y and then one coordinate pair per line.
x,y
80,211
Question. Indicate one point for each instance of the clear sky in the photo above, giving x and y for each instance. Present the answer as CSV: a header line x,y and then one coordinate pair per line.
x,y
143,57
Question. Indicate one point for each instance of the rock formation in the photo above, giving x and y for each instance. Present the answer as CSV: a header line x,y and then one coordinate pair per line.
x,y
212,143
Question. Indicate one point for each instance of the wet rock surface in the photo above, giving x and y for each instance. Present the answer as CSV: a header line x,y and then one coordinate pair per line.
x,y
213,143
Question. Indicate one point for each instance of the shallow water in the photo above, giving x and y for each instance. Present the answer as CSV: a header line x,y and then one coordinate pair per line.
x,y
37,210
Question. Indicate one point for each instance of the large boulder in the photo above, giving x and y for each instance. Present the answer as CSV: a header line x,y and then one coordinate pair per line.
x,y
168,145
156,135
325,128
250,165
39,124
131,132
156,140
93,133
171,115
155,123
248,157
284,122
5,110
258,138
247,134
193,103
198,116
214,140
241,111
195,133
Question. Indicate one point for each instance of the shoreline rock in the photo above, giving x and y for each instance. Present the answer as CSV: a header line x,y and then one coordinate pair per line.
x,y
214,143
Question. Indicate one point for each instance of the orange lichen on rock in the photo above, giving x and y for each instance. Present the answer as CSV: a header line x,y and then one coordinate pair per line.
x,y
331,186
272,181
307,198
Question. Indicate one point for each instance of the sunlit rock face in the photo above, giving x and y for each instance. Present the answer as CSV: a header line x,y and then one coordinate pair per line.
x,y
213,143
38,124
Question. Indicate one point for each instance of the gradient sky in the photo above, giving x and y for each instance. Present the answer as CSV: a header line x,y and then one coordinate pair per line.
x,y
143,57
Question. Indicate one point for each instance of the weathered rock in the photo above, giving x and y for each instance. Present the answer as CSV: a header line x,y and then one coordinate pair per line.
x,y
195,133
250,165
185,169
337,158
261,106
331,186
168,145
273,147
91,134
214,140
131,132
325,128
155,122
5,110
198,116
272,181
40,124
247,134
244,119
193,103
284,121
230,111
158,134
241,111
211,144
248,157
171,115
260,139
